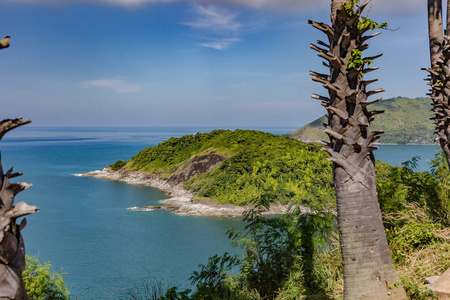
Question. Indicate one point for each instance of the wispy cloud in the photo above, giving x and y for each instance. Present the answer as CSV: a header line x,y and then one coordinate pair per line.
x,y
219,44
116,84
220,27
214,19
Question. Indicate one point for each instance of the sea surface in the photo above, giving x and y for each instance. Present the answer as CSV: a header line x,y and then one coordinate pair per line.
x,y
84,227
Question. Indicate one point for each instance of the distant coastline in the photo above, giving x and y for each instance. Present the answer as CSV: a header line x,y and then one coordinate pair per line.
x,y
375,143
181,200
405,121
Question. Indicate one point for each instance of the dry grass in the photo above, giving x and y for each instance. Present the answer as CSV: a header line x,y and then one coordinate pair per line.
x,y
413,213
429,261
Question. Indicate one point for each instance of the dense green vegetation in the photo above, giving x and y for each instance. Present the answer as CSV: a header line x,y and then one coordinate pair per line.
x,y
42,282
293,256
296,256
117,165
256,168
404,122
266,167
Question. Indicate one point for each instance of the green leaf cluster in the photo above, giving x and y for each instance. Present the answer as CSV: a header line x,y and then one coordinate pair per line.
x,y
42,282
366,23
350,7
356,61
362,23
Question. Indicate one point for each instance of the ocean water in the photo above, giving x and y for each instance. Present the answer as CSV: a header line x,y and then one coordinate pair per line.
x,y
84,227
396,154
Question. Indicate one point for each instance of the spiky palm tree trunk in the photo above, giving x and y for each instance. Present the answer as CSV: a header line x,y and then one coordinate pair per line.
x,y
439,78
12,249
368,269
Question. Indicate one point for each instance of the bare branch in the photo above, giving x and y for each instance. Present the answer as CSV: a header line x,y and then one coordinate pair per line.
x,y
319,97
9,124
370,93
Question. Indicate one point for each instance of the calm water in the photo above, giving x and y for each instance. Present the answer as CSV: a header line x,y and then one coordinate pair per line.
x,y
84,226
396,154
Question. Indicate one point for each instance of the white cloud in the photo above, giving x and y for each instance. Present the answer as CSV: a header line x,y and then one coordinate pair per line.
x,y
115,84
219,27
219,44
213,19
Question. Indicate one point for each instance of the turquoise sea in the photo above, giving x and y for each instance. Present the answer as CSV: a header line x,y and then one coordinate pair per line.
x,y
84,227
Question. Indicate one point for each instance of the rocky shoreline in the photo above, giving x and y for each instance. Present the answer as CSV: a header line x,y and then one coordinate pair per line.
x,y
181,200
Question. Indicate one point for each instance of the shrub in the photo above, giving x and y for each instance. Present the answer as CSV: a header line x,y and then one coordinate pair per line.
x,y
42,283
117,165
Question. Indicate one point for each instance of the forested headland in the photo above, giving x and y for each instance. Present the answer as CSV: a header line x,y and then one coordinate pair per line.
x,y
244,167
404,121
296,255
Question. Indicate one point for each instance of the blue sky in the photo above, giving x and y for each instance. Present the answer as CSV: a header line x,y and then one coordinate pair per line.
x,y
224,63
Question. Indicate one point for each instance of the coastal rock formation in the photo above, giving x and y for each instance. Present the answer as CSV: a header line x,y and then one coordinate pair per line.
x,y
181,200
198,164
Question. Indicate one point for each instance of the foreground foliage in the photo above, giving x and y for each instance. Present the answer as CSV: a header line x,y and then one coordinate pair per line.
x,y
296,256
417,224
42,282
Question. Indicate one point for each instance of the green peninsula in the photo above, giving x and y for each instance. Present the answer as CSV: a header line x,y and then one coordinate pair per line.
x,y
405,121
242,167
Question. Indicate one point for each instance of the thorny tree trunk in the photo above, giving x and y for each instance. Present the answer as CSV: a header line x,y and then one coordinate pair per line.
x,y
368,269
12,250
440,73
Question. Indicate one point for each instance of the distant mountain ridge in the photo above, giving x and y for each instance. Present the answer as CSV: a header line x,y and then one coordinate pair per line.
x,y
405,121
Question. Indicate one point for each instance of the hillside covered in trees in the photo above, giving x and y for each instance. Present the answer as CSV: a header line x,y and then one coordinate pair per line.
x,y
405,121
250,167
243,167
